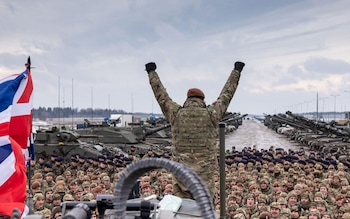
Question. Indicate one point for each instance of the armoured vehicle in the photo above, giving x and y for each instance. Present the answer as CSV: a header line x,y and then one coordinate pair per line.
x,y
233,121
317,135
137,138
65,143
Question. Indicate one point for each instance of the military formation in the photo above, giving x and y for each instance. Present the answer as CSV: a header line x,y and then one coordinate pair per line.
x,y
270,183
54,179
276,183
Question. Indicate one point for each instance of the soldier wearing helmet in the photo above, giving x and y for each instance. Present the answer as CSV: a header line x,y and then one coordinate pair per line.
x,y
275,210
38,202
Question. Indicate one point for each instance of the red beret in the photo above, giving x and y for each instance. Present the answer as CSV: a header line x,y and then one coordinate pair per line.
x,y
265,215
35,185
195,92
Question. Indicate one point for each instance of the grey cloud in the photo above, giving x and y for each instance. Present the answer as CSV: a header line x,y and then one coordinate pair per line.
x,y
104,45
327,66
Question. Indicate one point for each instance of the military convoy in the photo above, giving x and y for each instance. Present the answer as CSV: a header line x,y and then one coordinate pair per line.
x,y
316,135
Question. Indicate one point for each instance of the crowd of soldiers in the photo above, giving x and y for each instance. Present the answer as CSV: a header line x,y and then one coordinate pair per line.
x,y
273,183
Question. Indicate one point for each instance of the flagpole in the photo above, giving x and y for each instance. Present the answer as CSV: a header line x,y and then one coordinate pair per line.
x,y
72,106
31,152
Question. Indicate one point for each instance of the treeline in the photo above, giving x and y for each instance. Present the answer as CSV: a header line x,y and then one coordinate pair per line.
x,y
44,113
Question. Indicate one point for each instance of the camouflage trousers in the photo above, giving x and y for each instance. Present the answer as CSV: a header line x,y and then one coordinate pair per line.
x,y
205,165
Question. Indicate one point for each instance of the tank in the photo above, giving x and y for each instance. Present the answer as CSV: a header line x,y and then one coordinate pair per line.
x,y
317,135
137,138
232,121
65,143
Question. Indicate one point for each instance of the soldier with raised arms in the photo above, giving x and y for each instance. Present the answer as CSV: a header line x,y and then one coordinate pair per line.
x,y
194,126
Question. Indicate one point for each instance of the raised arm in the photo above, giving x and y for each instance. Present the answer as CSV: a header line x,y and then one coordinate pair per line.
x,y
227,92
167,105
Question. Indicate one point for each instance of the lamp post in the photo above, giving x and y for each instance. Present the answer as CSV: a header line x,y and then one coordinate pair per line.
x,y
307,105
346,91
323,98
335,101
295,108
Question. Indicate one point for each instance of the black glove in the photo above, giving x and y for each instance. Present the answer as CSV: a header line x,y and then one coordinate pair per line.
x,y
239,66
151,66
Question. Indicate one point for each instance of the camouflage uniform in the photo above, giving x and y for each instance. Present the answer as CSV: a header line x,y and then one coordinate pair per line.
x,y
241,214
46,212
48,182
48,198
73,169
58,167
263,211
194,129
36,198
231,210
39,165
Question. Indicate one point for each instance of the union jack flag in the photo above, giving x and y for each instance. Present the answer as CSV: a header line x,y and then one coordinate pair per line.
x,y
15,128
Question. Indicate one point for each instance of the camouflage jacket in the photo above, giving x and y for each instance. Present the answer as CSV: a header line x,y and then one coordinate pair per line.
x,y
194,125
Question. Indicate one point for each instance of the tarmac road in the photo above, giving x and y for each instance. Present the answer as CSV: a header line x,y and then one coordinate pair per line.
x,y
253,132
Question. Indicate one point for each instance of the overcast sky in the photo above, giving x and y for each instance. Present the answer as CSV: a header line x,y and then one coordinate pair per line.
x,y
293,49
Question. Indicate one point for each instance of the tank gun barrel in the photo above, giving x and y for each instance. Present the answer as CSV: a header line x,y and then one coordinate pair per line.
x,y
229,116
284,120
302,119
322,126
87,122
154,130
269,122
234,118
318,135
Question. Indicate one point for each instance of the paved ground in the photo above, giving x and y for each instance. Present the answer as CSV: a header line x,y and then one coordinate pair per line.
x,y
253,132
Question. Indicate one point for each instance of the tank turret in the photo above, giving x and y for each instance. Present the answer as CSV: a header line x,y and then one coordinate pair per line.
x,y
141,137
64,143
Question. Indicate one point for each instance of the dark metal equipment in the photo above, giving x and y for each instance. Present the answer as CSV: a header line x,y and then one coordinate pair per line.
x,y
190,178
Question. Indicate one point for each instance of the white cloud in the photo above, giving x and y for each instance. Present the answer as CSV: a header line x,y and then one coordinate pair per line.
x,y
103,46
